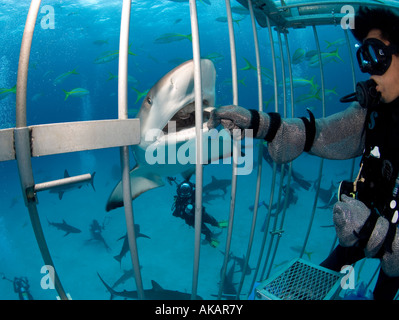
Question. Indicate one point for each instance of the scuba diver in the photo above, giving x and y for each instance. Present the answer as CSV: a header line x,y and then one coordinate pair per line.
x,y
21,287
183,207
366,214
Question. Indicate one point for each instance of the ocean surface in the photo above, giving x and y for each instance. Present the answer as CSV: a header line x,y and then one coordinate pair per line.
x,y
76,52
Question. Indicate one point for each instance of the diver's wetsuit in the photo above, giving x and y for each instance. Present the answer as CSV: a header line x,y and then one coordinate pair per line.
x,y
354,132
179,210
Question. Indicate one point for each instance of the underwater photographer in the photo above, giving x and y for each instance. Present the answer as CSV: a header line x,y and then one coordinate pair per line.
x,y
183,207
366,215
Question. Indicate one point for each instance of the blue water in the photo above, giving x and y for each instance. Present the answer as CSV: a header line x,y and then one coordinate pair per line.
x,y
168,256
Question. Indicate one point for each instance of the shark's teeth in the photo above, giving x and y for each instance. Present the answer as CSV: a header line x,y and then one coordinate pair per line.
x,y
185,117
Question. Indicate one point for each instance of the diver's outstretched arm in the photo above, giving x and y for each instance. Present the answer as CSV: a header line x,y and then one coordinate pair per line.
x,y
339,136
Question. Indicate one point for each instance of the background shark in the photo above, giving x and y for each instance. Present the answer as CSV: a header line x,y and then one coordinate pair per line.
x,y
64,227
155,293
62,189
170,99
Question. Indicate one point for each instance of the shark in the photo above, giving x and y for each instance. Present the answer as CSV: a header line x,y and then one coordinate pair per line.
x,y
155,293
240,262
96,233
229,291
125,245
127,274
64,227
297,177
328,196
62,189
167,131
217,184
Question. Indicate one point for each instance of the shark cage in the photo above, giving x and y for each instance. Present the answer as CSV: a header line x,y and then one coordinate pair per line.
x,y
279,243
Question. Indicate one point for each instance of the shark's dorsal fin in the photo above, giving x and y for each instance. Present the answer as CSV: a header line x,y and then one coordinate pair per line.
x,y
156,286
66,174
141,180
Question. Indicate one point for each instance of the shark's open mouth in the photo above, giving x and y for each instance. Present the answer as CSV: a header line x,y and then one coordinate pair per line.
x,y
185,117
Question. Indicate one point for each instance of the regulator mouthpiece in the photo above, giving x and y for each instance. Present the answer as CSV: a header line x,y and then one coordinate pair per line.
x,y
366,94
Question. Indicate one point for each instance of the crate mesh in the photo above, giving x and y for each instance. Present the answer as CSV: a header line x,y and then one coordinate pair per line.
x,y
302,282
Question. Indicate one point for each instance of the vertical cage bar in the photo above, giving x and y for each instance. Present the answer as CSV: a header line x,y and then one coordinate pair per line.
x,y
23,147
290,165
199,143
23,64
283,166
124,151
235,154
232,52
321,160
273,182
260,151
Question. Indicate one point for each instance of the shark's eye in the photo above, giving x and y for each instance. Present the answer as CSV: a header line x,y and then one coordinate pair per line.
x,y
149,101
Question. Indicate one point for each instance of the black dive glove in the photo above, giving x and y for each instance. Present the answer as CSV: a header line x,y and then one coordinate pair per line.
x,y
232,117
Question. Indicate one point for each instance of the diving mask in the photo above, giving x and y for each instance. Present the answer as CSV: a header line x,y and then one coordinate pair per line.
x,y
374,57
366,94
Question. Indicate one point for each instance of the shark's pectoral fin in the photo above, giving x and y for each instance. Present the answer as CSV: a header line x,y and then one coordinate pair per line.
x,y
141,180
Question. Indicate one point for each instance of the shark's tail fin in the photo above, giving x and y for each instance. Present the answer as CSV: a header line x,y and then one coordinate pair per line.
x,y
119,259
111,291
92,180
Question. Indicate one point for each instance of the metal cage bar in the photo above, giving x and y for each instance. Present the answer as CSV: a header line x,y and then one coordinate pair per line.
x,y
323,97
273,182
260,151
199,143
124,150
234,175
22,144
274,233
279,233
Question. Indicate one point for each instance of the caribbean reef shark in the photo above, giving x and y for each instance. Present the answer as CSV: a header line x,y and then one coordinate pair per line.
x,y
125,246
156,293
64,227
62,189
167,129
298,178
217,184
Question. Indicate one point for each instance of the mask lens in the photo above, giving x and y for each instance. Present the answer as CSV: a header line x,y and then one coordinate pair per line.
x,y
374,57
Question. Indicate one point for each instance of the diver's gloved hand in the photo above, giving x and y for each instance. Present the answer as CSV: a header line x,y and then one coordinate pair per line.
x,y
349,216
235,117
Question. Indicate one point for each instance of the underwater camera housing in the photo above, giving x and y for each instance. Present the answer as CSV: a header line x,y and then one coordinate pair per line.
x,y
366,94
